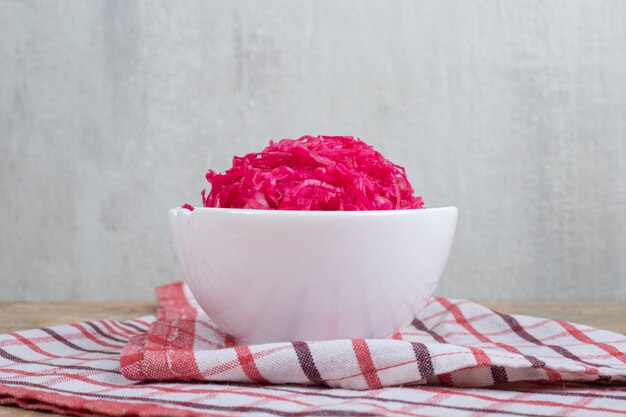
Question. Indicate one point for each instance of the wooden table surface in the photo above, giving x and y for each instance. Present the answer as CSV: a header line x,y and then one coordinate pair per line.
x,y
609,315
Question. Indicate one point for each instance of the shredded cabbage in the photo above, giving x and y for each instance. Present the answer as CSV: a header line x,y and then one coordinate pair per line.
x,y
312,173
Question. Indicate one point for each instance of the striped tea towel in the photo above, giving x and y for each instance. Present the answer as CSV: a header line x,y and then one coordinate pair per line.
x,y
93,368
451,343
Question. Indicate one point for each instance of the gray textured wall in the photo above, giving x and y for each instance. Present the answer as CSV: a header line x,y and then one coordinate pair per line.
x,y
111,111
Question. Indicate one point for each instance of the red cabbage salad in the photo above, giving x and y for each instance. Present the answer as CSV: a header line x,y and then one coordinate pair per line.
x,y
330,173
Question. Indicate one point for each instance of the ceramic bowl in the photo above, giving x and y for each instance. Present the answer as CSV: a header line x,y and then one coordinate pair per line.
x,y
270,276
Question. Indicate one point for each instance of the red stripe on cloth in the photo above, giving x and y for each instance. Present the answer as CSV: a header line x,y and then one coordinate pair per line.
x,y
523,333
498,373
559,392
174,343
33,346
455,395
461,319
552,374
35,399
142,322
55,366
445,379
389,411
92,337
104,334
248,365
366,364
122,328
67,376
164,389
174,303
480,356
176,351
229,340
578,334
110,328
543,403
191,407
66,342
132,357
224,366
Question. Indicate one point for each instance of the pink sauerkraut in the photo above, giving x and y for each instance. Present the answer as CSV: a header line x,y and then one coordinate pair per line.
x,y
312,173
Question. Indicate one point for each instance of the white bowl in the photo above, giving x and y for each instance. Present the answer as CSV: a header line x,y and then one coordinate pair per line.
x,y
270,276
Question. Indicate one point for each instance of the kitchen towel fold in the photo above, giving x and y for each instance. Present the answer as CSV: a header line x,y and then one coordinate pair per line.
x,y
450,343
114,368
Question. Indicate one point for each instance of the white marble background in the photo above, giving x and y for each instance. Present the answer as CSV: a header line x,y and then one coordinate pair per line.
x,y
515,111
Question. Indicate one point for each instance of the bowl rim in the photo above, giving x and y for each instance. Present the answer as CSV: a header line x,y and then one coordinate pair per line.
x,y
311,213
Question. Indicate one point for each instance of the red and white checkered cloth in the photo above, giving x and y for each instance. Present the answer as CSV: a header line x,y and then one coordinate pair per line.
x,y
454,347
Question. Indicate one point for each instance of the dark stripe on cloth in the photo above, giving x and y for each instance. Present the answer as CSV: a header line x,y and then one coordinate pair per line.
x,y
6,355
132,326
76,347
103,334
307,363
421,326
498,373
424,361
520,331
